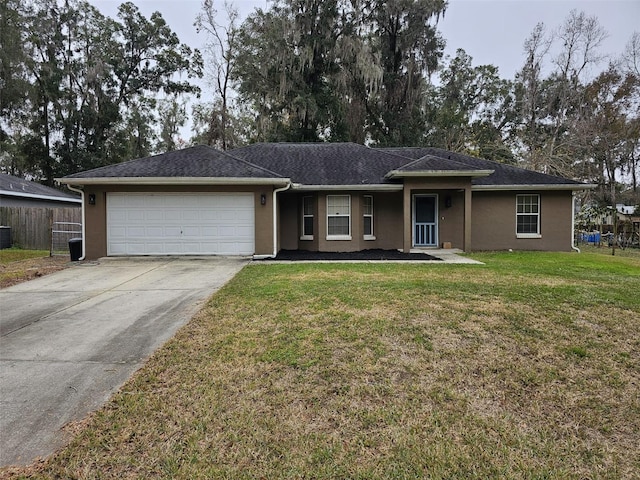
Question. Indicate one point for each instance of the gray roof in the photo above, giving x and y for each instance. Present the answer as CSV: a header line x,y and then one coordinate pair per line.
x,y
337,164
323,163
432,163
193,162
15,186
503,174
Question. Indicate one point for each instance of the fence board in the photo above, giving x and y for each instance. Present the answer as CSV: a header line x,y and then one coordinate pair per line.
x,y
31,226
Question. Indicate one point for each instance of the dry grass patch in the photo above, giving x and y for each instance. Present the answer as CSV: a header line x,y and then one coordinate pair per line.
x,y
17,266
523,368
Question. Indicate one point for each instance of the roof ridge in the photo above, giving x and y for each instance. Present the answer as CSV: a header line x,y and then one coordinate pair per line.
x,y
247,162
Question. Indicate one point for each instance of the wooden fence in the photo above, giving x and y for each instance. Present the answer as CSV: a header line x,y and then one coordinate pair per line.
x,y
31,226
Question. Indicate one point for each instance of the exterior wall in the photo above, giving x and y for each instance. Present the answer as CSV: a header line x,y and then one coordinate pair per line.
x,y
387,222
96,215
494,221
451,220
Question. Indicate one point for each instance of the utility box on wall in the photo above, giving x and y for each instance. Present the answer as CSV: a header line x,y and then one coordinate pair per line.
x,y
5,237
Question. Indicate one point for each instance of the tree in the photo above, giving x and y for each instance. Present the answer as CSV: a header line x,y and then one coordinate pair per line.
x,y
470,109
608,132
410,49
173,115
548,105
221,49
89,79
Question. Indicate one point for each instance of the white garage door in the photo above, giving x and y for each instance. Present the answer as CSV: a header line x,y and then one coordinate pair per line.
x,y
180,224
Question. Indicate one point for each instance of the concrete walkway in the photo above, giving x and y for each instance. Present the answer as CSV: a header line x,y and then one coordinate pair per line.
x,y
72,338
448,255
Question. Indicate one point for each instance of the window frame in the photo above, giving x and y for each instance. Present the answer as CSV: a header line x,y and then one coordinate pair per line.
x,y
329,215
537,214
303,234
365,235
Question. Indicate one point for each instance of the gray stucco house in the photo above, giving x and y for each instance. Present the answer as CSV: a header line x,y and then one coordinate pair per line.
x,y
259,199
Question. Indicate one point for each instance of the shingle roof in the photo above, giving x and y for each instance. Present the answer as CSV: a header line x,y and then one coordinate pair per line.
x,y
503,174
19,186
323,163
318,164
431,163
193,162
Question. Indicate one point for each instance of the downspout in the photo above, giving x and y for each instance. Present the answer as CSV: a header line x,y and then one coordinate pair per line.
x,y
84,243
275,217
573,222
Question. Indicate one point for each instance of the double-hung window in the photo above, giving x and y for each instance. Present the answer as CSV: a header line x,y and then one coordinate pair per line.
x,y
307,218
367,215
528,216
338,217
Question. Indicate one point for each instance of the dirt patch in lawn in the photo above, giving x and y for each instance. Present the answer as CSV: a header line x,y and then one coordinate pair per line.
x,y
23,270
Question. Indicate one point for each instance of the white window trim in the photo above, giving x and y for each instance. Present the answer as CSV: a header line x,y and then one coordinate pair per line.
x,y
529,235
338,237
372,236
303,236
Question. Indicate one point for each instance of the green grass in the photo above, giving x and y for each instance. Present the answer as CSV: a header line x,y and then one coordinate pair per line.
x,y
525,367
9,255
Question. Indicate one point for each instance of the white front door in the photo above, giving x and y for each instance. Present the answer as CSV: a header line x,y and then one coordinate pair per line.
x,y
180,224
425,220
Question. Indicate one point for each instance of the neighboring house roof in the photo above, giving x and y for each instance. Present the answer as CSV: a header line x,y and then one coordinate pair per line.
x,y
503,175
199,162
11,186
626,209
317,165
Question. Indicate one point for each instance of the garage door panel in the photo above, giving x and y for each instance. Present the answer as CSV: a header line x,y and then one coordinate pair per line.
x,y
174,224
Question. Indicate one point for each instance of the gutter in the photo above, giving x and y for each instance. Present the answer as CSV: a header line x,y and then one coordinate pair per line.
x,y
11,193
84,243
275,223
541,187
573,222
390,187
173,181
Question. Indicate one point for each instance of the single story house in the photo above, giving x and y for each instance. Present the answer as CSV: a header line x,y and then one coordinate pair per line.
x,y
338,197
18,192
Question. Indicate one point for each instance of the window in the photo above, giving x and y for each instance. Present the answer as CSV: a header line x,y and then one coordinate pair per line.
x,y
367,214
528,216
307,218
338,217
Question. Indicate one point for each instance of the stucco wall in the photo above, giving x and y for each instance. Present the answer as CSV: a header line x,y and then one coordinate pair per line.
x,y
451,220
387,222
96,215
493,225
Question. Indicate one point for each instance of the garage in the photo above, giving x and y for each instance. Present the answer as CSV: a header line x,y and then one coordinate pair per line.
x,y
180,224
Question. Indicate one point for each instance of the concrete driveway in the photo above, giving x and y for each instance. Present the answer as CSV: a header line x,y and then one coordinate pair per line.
x,y
71,339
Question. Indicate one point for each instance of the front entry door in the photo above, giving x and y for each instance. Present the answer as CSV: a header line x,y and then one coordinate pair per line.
x,y
425,220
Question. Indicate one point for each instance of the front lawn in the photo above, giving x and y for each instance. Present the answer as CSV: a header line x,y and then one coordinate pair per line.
x,y
526,367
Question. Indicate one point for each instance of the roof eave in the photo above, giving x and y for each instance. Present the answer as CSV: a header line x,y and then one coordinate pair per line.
x,y
357,187
36,196
439,173
173,181
548,186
